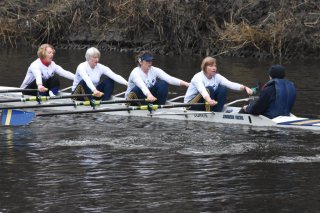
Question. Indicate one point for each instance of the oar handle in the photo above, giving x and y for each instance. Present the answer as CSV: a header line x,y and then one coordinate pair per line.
x,y
39,106
181,105
92,103
122,101
12,100
70,96
44,98
87,111
17,90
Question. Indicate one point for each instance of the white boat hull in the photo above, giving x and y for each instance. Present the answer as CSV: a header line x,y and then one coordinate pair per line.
x,y
230,115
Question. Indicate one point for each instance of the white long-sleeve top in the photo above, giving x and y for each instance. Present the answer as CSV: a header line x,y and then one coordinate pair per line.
x,y
199,82
146,80
37,70
92,76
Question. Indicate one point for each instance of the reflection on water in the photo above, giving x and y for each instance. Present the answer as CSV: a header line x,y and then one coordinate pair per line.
x,y
103,163
9,147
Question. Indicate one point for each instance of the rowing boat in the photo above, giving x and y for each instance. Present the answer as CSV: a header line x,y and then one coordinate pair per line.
x,y
229,115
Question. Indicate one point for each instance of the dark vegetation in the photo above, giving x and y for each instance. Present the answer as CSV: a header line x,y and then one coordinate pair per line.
x,y
243,28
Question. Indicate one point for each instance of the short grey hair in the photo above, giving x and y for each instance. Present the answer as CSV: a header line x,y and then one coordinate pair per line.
x,y
92,51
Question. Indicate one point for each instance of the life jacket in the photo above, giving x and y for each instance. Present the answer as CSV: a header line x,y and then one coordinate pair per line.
x,y
284,100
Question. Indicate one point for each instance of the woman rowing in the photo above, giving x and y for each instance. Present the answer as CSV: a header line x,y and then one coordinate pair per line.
x,y
149,82
88,77
42,72
210,87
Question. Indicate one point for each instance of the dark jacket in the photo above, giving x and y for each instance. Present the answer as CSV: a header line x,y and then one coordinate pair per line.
x,y
276,98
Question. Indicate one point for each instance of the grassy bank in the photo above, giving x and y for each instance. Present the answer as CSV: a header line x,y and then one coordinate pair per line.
x,y
282,29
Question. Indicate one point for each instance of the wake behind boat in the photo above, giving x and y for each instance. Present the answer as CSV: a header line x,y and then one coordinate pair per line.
x,y
172,110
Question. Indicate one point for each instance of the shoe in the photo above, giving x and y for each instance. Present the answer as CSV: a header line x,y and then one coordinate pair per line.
x,y
51,94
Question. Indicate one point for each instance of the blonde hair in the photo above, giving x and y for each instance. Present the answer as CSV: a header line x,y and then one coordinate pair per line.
x,y
207,61
42,50
92,51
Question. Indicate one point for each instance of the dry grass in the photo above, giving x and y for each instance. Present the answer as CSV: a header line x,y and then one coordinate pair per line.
x,y
281,29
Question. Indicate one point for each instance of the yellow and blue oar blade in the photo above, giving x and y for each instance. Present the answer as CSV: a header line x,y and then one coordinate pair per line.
x,y
11,117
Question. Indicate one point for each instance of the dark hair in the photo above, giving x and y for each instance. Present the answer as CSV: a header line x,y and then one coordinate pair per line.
x,y
277,71
139,57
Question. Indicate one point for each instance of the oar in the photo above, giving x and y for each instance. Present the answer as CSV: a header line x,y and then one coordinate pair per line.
x,y
29,90
307,115
12,117
17,90
149,107
92,103
237,101
44,98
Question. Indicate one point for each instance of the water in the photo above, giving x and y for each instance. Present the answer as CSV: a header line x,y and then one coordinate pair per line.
x,y
103,163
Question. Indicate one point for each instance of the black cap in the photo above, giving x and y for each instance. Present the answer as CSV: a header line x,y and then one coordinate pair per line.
x,y
276,71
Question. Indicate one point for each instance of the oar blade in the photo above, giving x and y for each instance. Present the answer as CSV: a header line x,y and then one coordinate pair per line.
x,y
10,117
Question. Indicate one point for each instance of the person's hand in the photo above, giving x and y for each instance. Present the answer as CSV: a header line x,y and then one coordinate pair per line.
x,y
97,93
248,90
245,108
151,98
186,84
212,102
41,88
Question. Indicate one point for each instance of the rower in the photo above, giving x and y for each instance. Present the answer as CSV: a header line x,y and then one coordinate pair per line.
x,y
277,96
42,72
147,81
88,78
210,87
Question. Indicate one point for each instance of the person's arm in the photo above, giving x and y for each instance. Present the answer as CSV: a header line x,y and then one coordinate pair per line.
x,y
248,90
82,72
64,73
184,83
169,79
84,75
234,86
36,71
136,79
203,91
117,78
262,104
145,90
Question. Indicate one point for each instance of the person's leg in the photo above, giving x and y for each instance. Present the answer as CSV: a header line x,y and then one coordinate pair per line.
x,y
82,88
53,84
32,85
106,87
160,91
198,99
136,93
220,95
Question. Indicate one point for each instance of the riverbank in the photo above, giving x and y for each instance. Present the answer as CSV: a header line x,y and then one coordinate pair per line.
x,y
286,29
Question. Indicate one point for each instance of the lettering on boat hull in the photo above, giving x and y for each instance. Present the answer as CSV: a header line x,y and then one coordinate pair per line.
x,y
200,115
233,117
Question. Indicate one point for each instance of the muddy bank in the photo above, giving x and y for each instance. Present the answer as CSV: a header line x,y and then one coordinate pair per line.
x,y
286,29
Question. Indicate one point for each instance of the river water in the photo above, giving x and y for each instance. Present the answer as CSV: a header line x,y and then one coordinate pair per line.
x,y
103,163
